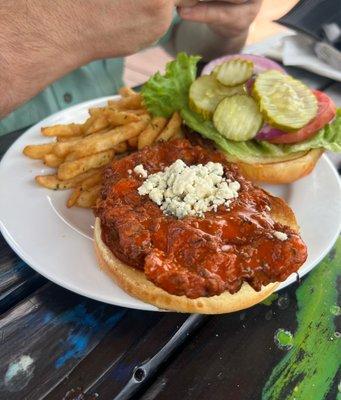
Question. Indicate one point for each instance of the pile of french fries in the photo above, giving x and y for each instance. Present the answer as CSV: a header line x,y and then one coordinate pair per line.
x,y
80,152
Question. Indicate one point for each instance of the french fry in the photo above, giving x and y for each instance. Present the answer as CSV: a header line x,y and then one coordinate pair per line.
x,y
92,181
88,198
133,142
61,149
147,137
96,111
52,181
51,160
87,184
126,92
131,102
72,200
70,169
101,142
99,123
114,117
121,148
68,138
38,151
138,111
62,130
117,118
178,135
86,125
171,129
71,157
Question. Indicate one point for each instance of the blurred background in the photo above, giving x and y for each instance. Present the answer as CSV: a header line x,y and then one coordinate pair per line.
x,y
140,66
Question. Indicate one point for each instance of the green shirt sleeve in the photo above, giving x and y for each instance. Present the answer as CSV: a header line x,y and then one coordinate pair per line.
x,y
99,78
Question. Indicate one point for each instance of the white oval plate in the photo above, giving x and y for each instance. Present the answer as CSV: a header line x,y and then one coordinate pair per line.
x,y
57,242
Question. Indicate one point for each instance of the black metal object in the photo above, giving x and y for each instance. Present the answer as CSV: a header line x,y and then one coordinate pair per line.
x,y
144,372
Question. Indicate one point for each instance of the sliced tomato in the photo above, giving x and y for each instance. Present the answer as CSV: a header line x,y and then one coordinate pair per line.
x,y
325,113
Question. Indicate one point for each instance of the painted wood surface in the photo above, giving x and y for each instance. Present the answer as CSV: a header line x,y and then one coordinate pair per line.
x,y
17,280
55,341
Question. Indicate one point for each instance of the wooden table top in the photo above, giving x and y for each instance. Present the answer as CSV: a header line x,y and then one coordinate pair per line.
x,y
59,345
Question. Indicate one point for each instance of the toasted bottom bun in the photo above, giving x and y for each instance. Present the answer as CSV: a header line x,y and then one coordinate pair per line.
x,y
135,283
281,172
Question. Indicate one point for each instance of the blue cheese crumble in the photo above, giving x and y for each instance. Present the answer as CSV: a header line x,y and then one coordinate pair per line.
x,y
280,236
182,190
139,170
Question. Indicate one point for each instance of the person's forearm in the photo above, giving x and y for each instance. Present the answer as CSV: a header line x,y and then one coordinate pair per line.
x,y
24,76
35,50
198,38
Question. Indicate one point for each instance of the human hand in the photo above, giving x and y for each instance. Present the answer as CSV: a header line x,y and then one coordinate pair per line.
x,y
121,27
226,18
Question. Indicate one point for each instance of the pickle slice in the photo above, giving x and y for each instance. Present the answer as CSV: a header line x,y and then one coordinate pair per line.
x,y
285,102
233,72
206,92
238,117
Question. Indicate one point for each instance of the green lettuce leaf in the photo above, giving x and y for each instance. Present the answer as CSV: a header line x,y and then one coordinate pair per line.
x,y
252,151
165,94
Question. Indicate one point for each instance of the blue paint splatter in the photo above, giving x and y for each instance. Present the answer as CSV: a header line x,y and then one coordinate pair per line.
x,y
78,344
86,325
48,317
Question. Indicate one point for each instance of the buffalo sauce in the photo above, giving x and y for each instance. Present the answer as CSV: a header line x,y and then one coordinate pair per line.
x,y
194,256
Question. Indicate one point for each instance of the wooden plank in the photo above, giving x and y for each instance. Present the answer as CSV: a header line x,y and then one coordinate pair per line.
x,y
7,140
17,279
46,336
263,25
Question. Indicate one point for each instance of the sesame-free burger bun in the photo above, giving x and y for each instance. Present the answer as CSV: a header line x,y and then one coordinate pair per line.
x,y
282,171
135,283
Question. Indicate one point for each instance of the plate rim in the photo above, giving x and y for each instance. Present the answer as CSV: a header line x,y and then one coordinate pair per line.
x,y
291,279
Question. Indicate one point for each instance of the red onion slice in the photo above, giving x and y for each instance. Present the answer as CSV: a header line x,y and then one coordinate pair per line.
x,y
268,132
249,85
261,64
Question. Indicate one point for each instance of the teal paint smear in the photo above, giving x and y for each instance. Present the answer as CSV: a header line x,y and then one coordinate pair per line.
x,y
85,326
309,368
